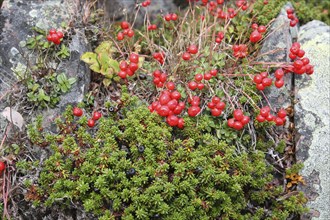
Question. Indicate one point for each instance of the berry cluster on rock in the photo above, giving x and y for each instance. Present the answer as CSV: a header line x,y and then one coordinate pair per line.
x,y
55,36
265,115
256,35
293,19
262,81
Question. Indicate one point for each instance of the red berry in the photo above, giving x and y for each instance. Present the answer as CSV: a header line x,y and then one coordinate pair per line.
x,y
123,65
60,34
292,56
168,17
245,120
278,121
264,112
255,36
211,105
231,122
2,166
279,83
77,111
130,33
264,74
216,100
163,77
281,113
301,53
175,95
200,86
172,120
220,105
156,73
180,123
120,36
238,114
193,49
134,58
91,123
52,31
279,73
267,82
270,117
262,29
49,38
172,104
214,72
198,77
133,67
298,64
260,118
216,112
289,11
257,78
163,111
254,26
260,86
193,111
218,40
207,76
164,99
186,56
174,17
122,74
129,72
124,25
170,85
238,125
96,116
305,61
192,85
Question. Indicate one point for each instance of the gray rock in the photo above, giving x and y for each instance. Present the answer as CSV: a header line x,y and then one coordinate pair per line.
x,y
118,10
275,49
312,119
17,19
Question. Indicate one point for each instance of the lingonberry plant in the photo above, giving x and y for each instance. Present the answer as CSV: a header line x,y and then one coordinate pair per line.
x,y
196,71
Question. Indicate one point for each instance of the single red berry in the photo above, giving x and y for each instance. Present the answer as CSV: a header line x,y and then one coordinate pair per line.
x,y
133,67
245,120
180,123
220,105
289,11
267,82
175,95
279,73
192,85
91,123
163,77
198,77
238,114
292,56
264,112
60,34
174,17
254,26
216,100
216,112
124,25
218,40
120,36
298,64
305,61
164,99
130,33
134,58
157,73
279,83
231,122
264,74
214,72
278,121
193,49
96,116
122,74
49,38
163,111
129,72
200,86
170,85
260,86
2,166
172,120
168,17
260,118
77,111
172,104
301,53
144,4
211,105
123,65
281,113
186,56
207,76
238,125
193,111
270,117
52,31
257,79
262,29
255,36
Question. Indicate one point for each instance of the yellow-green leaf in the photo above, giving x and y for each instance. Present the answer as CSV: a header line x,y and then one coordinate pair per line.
x,y
89,58
95,67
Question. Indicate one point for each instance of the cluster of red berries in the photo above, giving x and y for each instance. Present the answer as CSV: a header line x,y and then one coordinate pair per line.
x,y
192,49
55,36
242,4
219,37
279,74
197,84
256,35
129,69
152,27
262,80
159,78
293,19
78,112
216,106
159,56
300,65
146,3
168,106
239,120
240,51
171,17
265,115
125,26
194,109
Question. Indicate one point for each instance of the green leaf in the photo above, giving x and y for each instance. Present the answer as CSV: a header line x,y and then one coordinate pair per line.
x,y
106,81
95,67
72,80
89,58
61,78
105,47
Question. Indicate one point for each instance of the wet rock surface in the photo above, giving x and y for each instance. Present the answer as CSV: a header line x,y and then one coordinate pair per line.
x,y
312,119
